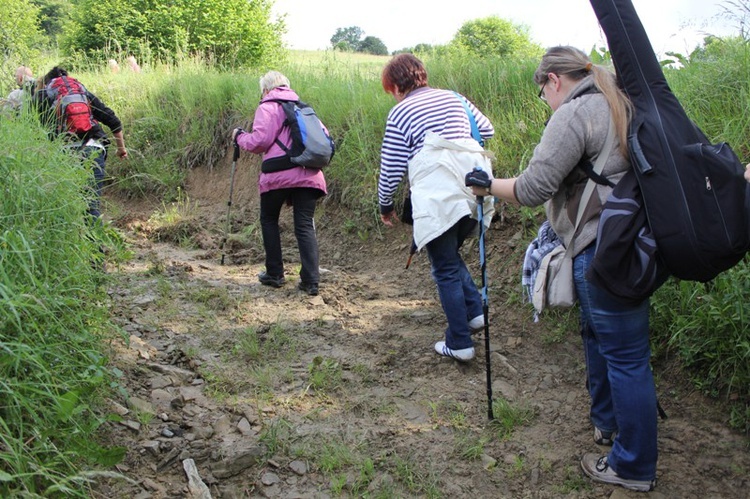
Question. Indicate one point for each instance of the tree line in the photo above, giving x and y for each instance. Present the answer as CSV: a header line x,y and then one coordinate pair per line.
x,y
486,37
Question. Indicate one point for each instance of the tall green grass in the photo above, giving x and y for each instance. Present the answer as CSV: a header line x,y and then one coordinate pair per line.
x,y
52,368
179,117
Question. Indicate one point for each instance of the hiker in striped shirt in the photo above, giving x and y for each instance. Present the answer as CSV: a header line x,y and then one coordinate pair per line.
x,y
435,136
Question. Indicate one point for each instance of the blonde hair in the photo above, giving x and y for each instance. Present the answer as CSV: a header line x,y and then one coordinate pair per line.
x,y
273,79
570,61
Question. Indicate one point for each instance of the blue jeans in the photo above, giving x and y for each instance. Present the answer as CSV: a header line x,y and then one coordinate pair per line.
x,y
99,157
459,295
620,382
303,200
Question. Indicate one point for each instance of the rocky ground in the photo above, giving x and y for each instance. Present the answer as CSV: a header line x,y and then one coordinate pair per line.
x,y
233,389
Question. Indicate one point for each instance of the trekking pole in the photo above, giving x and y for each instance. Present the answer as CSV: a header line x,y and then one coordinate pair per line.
x,y
485,304
235,157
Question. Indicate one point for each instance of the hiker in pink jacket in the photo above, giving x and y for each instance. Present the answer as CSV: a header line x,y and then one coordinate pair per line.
x,y
281,182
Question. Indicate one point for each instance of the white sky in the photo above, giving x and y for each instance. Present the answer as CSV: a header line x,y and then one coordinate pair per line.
x,y
672,25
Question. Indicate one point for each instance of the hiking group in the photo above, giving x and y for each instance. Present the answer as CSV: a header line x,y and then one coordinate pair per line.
x,y
436,137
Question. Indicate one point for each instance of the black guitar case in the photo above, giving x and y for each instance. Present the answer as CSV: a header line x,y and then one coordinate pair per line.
x,y
694,193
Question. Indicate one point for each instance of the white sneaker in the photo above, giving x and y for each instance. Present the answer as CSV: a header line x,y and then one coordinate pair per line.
x,y
463,355
476,324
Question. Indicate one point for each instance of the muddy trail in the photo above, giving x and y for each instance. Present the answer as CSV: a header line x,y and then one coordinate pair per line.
x,y
234,389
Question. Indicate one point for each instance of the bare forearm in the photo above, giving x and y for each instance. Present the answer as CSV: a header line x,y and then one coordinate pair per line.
x,y
120,141
503,188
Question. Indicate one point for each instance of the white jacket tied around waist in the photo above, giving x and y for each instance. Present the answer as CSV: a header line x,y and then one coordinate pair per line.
x,y
438,195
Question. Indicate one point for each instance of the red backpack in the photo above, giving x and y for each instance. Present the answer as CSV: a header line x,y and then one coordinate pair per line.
x,y
72,107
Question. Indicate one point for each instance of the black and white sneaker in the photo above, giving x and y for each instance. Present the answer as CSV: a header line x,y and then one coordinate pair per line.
x,y
462,355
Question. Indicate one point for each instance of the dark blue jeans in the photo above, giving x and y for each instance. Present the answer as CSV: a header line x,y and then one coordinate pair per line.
x,y
99,157
459,295
620,382
303,201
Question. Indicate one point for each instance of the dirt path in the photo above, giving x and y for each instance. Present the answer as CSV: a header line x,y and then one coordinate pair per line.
x,y
272,393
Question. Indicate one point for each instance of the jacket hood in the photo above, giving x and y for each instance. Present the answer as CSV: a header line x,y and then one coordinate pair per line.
x,y
585,86
284,93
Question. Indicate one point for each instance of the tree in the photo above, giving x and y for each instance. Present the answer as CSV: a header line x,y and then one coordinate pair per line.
x,y
351,36
20,36
373,45
53,14
225,31
492,36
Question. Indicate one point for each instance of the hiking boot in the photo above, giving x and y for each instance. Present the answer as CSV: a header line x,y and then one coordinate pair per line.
x,y
463,355
597,468
602,437
476,324
309,288
269,280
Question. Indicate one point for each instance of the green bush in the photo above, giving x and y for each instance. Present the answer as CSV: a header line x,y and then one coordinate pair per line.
x,y
228,32
20,38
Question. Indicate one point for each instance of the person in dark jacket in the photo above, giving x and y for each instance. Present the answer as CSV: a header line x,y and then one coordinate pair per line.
x,y
281,181
93,144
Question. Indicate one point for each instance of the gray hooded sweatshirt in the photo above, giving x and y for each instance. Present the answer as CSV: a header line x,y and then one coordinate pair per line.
x,y
578,128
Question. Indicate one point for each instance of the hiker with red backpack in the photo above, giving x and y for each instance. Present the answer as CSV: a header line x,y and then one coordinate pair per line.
x,y
590,115
72,112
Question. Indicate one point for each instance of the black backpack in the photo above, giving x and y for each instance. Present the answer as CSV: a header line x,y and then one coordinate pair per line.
x,y
312,146
684,208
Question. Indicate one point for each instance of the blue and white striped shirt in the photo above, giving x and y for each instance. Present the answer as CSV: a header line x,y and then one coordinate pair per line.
x,y
424,109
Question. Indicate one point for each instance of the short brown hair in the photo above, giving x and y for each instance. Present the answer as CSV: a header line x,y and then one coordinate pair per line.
x,y
404,73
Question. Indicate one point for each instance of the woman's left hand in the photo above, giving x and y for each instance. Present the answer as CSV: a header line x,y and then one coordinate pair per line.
x,y
747,173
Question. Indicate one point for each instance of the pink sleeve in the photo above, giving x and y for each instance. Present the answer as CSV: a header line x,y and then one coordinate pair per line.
x,y
266,126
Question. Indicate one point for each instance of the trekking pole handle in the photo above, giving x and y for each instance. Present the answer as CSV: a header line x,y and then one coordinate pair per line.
x,y
478,178
237,132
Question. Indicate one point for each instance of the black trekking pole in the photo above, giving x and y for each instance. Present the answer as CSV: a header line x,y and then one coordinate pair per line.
x,y
235,157
485,304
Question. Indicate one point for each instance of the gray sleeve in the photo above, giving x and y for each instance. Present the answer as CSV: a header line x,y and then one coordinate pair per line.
x,y
559,151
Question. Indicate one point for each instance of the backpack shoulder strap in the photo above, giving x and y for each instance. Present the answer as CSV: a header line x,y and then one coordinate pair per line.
x,y
590,184
472,121
286,122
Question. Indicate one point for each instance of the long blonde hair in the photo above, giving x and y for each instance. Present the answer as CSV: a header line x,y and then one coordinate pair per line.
x,y
570,61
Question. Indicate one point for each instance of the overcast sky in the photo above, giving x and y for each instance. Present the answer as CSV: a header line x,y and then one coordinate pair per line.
x,y
672,25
